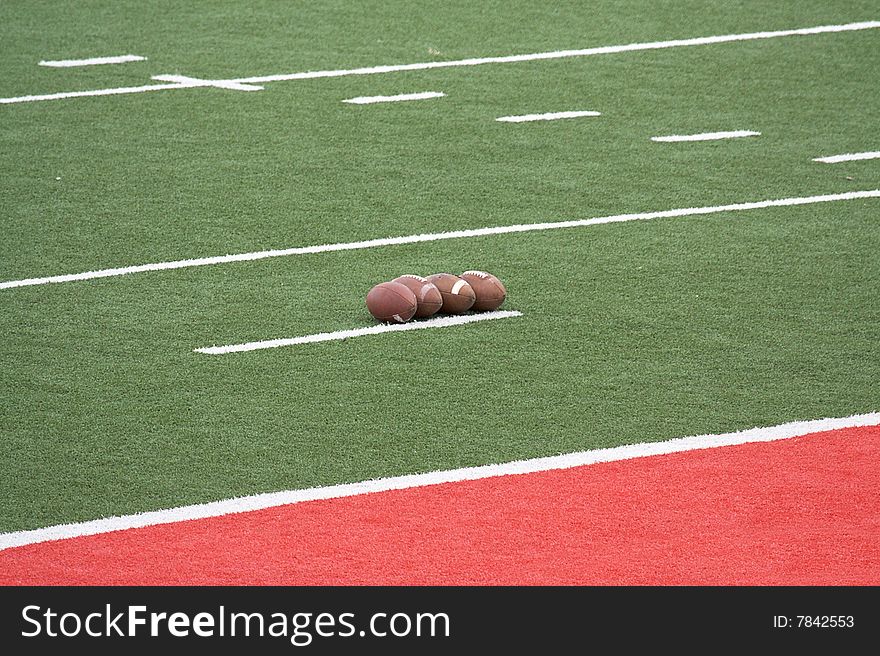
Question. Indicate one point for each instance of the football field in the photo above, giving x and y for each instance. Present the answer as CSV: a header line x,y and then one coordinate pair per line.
x,y
682,200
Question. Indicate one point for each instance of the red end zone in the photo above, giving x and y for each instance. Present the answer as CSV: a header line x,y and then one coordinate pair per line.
x,y
799,511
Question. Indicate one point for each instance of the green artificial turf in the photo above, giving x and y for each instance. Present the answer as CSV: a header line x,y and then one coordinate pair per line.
x,y
630,332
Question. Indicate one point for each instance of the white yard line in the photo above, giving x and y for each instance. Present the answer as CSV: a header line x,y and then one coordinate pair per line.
x,y
437,322
117,91
183,80
549,116
437,236
507,59
93,61
848,157
369,100
707,136
517,467
562,54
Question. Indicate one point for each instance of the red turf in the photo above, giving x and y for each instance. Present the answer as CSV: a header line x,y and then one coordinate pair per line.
x,y
802,511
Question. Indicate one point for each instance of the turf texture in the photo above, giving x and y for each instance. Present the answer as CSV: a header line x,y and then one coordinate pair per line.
x,y
632,332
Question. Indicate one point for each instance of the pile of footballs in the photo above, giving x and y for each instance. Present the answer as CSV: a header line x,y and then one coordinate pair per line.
x,y
410,296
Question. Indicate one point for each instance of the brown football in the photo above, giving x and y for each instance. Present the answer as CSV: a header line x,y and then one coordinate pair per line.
x,y
427,295
457,294
490,292
392,302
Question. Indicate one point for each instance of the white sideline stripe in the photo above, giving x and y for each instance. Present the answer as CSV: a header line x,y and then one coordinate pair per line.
x,y
508,59
848,157
183,80
437,236
707,136
437,322
92,61
550,116
566,461
369,100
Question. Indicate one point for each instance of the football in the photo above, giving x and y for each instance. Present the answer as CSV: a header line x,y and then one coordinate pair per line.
x,y
458,296
427,295
392,302
489,291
